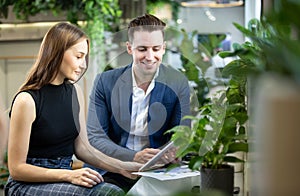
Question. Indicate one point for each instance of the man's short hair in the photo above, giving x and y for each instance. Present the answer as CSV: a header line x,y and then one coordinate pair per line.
x,y
146,22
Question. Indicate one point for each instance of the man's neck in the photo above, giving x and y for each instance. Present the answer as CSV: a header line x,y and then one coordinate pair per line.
x,y
142,82
144,86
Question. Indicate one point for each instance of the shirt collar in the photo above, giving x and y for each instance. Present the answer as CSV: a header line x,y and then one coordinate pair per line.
x,y
133,77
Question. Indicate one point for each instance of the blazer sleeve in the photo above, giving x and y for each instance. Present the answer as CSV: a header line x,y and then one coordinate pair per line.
x,y
180,86
184,108
98,123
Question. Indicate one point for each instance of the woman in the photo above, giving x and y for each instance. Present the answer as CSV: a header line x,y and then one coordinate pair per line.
x,y
47,125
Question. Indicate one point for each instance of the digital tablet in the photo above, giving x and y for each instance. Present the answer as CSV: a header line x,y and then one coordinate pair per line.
x,y
154,161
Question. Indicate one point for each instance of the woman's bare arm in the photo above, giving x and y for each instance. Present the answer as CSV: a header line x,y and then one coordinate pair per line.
x,y
22,117
85,152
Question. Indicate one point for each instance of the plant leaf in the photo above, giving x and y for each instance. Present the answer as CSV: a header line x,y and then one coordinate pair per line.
x,y
238,147
232,159
195,163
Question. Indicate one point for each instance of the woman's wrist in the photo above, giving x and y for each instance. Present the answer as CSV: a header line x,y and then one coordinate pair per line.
x,y
120,166
65,177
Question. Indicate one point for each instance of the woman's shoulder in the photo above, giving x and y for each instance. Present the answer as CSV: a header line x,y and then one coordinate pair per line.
x,y
24,97
24,101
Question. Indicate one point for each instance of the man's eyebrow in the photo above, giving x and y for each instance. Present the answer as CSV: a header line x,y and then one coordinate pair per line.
x,y
149,46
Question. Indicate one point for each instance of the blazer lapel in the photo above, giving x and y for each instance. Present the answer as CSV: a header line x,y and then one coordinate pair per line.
x,y
122,101
160,86
157,112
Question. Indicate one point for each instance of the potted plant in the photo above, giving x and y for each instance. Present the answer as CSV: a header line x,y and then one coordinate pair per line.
x,y
218,129
273,48
271,60
216,134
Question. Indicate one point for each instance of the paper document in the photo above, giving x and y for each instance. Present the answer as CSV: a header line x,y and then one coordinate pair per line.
x,y
175,173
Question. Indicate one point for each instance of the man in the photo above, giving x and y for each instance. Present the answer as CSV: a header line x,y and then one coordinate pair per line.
x,y
132,107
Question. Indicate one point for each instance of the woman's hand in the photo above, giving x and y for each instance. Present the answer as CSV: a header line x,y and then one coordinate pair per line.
x,y
85,177
128,168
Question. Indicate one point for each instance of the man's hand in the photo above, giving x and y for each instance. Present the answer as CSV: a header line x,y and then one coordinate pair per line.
x,y
145,155
169,156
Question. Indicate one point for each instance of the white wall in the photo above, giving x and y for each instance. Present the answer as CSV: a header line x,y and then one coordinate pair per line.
x,y
15,60
196,19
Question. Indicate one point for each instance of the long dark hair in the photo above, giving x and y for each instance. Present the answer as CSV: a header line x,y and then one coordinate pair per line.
x,y
57,40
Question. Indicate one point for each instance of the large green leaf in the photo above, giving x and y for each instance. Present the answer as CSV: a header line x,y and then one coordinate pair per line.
x,y
232,159
229,126
238,69
195,163
182,138
244,30
238,147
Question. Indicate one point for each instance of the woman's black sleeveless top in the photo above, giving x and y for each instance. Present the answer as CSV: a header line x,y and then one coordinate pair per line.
x,y
56,125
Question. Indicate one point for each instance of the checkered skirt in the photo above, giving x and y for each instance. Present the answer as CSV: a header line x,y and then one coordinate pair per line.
x,y
18,188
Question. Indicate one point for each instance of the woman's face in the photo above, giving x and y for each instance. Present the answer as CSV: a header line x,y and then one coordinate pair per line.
x,y
74,63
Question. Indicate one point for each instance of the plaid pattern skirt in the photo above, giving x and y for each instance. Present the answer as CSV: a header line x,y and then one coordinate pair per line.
x,y
17,188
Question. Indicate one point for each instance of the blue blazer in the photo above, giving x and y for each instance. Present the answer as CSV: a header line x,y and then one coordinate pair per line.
x,y
109,112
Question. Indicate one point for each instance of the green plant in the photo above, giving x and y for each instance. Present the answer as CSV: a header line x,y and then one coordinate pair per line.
x,y
152,4
218,131
195,58
98,16
273,47
219,128
4,173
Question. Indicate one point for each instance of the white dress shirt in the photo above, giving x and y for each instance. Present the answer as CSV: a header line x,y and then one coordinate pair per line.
x,y
138,137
